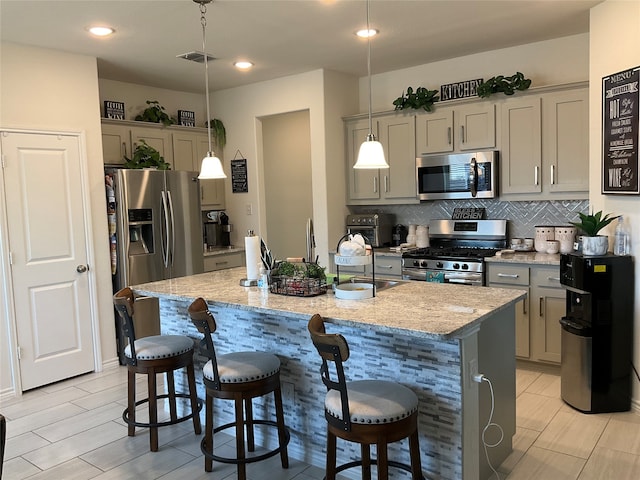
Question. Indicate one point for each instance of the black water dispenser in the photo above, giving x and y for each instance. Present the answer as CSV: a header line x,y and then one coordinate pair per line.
x,y
597,332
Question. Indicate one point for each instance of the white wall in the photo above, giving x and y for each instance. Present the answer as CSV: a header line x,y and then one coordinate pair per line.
x,y
552,62
615,46
49,90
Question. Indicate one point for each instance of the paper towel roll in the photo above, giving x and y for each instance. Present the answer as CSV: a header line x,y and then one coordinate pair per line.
x,y
252,255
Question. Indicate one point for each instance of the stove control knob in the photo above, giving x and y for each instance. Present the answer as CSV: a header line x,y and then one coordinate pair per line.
x,y
465,266
456,266
416,263
424,264
439,265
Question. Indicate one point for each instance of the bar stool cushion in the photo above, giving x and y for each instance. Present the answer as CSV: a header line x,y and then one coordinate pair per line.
x,y
242,367
373,401
160,346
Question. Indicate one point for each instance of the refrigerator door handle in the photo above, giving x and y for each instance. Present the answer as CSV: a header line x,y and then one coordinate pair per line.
x,y
172,227
165,233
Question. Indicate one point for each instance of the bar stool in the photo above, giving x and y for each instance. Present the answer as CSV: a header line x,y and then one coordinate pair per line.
x,y
150,356
364,411
238,376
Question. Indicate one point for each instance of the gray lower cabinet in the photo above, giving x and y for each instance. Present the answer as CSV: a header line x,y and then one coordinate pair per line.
x,y
387,266
538,315
220,261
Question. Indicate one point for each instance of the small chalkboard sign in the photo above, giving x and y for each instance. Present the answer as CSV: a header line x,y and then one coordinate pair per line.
x,y
475,213
239,180
114,110
186,118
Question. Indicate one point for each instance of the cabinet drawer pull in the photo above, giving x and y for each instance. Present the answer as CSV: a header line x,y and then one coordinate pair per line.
x,y
553,174
508,275
535,175
375,184
388,267
386,184
555,279
448,135
462,133
541,307
221,263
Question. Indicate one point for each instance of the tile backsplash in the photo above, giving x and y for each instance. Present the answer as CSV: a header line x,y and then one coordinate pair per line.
x,y
522,216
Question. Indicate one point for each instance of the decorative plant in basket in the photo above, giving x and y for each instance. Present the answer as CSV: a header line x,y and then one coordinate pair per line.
x,y
590,225
299,279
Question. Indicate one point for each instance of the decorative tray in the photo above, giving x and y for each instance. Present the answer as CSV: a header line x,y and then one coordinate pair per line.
x,y
298,287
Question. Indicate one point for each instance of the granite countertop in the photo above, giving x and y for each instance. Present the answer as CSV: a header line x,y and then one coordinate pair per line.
x,y
222,250
432,310
536,258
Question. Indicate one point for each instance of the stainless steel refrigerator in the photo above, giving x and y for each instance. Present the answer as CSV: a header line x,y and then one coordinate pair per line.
x,y
155,230
158,225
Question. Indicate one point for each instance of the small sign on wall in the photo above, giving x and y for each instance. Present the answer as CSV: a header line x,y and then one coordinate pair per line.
x,y
454,91
239,180
186,118
114,110
620,135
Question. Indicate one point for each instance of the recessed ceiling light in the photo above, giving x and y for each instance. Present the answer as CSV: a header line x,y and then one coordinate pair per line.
x,y
243,65
364,33
101,31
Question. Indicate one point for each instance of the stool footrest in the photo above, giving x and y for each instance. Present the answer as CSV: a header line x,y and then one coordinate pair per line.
x,y
251,459
128,421
391,463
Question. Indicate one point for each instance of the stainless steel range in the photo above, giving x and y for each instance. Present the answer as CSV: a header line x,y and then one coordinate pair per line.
x,y
456,252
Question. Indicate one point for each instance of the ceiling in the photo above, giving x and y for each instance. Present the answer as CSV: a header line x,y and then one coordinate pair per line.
x,y
281,37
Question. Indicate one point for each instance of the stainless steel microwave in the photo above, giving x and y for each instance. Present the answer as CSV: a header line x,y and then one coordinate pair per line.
x,y
457,176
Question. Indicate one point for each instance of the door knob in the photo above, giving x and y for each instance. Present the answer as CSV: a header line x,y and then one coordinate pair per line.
x,y
81,268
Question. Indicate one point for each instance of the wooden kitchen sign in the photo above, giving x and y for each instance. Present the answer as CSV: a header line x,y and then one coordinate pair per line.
x,y
620,133
465,89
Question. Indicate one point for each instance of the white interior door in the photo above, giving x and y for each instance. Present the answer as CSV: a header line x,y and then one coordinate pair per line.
x,y
48,245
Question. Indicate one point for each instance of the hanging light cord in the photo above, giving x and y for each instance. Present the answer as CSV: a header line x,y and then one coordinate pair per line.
x,y
203,21
370,136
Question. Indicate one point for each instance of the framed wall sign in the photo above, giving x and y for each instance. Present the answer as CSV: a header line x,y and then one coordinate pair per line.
x,y
465,89
186,118
239,180
114,110
620,133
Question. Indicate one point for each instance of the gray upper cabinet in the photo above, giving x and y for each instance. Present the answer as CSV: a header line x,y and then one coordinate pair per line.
x,y
460,128
119,140
397,184
544,141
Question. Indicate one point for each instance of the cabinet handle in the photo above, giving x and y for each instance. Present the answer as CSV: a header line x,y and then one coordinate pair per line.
x,y
535,175
462,133
541,303
386,184
449,135
508,275
524,305
553,174
221,263
388,267
555,279
124,149
375,184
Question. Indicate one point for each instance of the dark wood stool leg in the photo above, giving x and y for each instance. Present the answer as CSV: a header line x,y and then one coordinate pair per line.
x,y
282,436
171,390
208,432
193,394
153,409
331,456
365,453
383,465
414,452
242,471
248,413
131,400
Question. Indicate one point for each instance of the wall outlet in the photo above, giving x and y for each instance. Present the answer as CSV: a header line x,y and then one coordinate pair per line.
x,y
472,370
249,209
288,394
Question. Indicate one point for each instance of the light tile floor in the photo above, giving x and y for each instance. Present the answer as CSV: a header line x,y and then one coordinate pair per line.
x,y
73,430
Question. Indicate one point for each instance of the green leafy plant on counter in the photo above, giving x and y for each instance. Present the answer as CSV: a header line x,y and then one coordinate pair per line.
x,y
145,156
506,85
219,132
299,270
422,98
155,113
591,224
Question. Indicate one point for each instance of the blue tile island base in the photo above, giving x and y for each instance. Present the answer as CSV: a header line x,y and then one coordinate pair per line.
x,y
425,336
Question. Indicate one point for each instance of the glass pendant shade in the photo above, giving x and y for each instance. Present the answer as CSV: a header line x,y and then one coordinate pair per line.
x,y
211,167
371,154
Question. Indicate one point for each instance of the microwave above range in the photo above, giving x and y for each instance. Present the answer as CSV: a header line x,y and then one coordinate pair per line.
x,y
457,176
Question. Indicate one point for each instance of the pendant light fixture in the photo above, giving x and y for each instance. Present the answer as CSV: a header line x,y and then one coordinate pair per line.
x,y
211,166
371,154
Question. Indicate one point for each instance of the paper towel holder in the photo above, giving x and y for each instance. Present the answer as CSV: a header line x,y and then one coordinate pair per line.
x,y
245,282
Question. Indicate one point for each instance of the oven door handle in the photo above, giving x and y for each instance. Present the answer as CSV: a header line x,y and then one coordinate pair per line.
x,y
464,278
473,177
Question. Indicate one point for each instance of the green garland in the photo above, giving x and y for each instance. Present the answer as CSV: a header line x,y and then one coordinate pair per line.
x,y
422,98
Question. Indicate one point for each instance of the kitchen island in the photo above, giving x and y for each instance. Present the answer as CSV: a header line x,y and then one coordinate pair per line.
x,y
429,337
